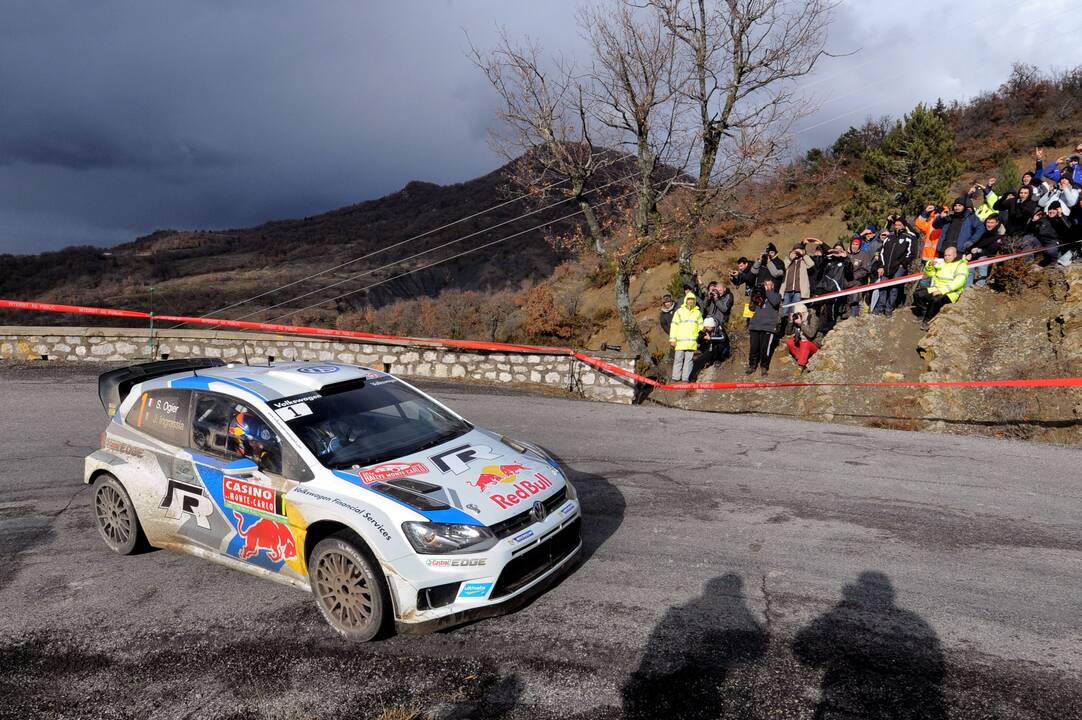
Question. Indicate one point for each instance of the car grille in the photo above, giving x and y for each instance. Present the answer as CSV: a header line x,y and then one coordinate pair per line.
x,y
536,561
513,524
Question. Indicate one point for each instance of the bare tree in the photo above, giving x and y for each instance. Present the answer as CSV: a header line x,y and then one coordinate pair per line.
x,y
669,80
742,57
546,127
556,115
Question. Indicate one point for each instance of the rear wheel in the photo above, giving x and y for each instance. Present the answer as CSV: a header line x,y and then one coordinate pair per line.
x,y
349,588
114,515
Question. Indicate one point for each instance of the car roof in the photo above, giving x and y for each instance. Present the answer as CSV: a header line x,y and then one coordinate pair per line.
x,y
268,382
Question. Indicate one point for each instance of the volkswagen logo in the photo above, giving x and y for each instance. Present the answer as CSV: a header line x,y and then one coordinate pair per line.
x,y
538,513
318,369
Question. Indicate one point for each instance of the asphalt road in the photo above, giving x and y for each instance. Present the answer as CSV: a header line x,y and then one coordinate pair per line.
x,y
744,567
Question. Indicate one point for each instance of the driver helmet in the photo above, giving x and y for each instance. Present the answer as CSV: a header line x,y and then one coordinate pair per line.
x,y
251,433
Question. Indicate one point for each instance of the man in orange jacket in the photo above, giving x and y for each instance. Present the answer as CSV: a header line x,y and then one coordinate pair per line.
x,y
931,234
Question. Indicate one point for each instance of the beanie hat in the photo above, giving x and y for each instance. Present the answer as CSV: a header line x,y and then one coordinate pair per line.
x,y
710,322
1054,205
800,308
959,201
770,247
869,229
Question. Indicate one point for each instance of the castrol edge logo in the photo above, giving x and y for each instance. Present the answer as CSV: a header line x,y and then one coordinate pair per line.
x,y
251,498
520,491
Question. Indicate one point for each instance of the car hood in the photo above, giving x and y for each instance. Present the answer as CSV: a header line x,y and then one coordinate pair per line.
x,y
476,473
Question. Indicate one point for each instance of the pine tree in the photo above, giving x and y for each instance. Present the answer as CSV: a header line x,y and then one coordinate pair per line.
x,y
1008,177
914,167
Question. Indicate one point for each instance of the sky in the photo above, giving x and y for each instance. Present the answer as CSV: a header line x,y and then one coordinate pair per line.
x,y
121,117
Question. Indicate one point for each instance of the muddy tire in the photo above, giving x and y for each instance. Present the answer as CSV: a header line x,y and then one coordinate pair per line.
x,y
115,517
349,588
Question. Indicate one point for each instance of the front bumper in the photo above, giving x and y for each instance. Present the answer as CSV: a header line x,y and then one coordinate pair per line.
x,y
469,586
509,602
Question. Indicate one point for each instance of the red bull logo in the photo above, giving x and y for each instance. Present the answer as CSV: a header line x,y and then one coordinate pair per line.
x,y
268,536
495,474
522,491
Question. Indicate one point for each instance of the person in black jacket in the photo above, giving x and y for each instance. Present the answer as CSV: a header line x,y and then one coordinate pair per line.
x,y
1049,231
834,274
713,347
769,267
986,246
763,327
895,257
1017,210
743,276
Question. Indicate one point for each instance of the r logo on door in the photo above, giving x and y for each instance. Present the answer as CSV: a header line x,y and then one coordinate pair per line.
x,y
182,498
457,460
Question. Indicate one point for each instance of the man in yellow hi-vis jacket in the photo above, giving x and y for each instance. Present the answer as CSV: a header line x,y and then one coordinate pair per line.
x,y
948,278
687,322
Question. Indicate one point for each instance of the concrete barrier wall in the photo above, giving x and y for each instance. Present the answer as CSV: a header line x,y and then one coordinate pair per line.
x,y
417,360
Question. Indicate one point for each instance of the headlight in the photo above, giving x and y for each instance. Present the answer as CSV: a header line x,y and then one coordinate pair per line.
x,y
430,538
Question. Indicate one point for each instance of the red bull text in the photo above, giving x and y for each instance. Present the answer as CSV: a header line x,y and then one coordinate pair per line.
x,y
522,491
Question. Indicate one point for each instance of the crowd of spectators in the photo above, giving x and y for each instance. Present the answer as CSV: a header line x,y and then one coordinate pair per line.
x,y
1042,214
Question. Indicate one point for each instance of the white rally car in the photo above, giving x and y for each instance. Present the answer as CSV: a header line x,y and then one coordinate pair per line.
x,y
333,478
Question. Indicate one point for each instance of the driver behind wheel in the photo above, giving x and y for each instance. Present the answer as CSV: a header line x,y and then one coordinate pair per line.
x,y
254,440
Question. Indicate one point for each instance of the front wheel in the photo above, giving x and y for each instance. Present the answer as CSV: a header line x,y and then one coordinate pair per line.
x,y
349,589
114,515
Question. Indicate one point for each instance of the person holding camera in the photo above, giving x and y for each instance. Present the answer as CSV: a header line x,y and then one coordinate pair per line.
x,y
797,284
713,347
763,327
801,343
743,276
768,267
687,323
835,272
717,304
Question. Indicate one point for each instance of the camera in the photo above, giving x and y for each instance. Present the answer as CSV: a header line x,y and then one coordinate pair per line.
x,y
758,296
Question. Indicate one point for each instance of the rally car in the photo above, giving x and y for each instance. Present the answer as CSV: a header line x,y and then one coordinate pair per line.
x,y
341,480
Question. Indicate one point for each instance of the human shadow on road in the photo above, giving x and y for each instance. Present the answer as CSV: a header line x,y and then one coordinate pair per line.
x,y
879,660
692,651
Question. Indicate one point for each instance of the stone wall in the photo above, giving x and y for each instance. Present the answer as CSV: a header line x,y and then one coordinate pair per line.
x,y
417,360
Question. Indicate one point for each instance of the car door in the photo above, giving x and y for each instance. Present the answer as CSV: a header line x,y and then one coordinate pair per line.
x,y
167,496
249,488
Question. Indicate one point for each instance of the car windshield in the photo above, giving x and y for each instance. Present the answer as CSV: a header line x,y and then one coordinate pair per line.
x,y
369,423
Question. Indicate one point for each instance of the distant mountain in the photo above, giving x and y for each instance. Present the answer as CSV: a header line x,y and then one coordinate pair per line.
x,y
197,272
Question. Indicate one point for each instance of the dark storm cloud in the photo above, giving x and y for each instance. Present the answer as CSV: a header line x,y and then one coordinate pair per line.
x,y
120,117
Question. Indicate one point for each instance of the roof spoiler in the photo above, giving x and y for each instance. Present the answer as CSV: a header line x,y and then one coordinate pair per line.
x,y
114,386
